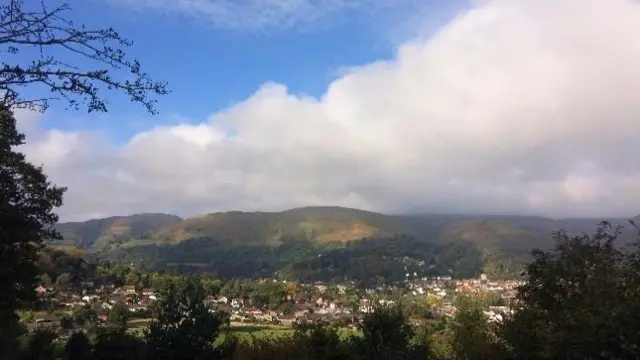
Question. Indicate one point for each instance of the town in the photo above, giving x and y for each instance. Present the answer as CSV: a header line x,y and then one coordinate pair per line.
x,y
268,302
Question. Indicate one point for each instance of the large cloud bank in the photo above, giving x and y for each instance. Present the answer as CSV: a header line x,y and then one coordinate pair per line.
x,y
514,107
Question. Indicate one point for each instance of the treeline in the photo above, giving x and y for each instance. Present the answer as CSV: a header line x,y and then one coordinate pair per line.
x,y
62,268
581,302
362,261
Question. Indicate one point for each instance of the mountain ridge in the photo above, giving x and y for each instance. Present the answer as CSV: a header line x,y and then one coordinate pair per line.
x,y
332,224
322,243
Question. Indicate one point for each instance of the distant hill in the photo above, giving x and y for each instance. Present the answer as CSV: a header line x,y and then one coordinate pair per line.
x,y
263,242
100,233
318,224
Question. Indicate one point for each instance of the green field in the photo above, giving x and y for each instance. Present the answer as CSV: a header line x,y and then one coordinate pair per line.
x,y
250,332
247,333
244,332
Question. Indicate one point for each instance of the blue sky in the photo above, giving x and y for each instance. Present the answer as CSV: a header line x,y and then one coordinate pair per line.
x,y
446,108
209,66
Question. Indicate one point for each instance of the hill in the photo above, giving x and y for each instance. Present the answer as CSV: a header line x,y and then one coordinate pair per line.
x,y
100,233
317,224
322,242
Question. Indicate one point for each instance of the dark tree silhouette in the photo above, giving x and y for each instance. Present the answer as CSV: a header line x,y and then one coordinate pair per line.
x,y
40,346
385,334
57,46
117,345
581,301
118,317
27,201
78,347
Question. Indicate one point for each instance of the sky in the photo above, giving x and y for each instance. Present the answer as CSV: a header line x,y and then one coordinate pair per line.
x,y
404,106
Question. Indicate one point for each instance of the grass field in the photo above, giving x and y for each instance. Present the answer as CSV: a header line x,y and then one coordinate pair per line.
x,y
250,332
247,333
244,332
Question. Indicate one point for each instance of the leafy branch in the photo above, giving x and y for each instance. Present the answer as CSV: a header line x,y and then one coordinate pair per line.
x,y
50,33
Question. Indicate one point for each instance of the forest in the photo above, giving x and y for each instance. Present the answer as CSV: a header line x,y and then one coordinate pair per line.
x,y
389,258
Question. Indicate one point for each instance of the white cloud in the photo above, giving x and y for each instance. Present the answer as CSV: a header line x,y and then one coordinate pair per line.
x,y
515,106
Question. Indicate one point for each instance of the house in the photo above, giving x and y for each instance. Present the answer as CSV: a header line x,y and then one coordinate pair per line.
x,y
89,298
126,290
237,303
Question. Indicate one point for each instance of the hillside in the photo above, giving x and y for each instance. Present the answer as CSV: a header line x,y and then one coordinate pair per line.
x,y
100,233
317,224
321,242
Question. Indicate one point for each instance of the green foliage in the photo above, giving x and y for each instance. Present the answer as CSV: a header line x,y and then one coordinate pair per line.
x,y
581,301
64,280
53,264
473,337
117,318
27,316
40,346
27,201
386,335
319,342
84,316
183,327
367,261
117,345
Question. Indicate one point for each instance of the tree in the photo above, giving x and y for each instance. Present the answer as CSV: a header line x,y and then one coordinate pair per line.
x,y
27,201
40,346
64,280
27,316
117,345
580,302
84,315
45,280
183,327
118,316
78,347
314,341
61,47
66,322
386,334
472,335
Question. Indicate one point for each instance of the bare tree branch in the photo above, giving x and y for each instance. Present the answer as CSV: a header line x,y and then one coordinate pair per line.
x,y
42,29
